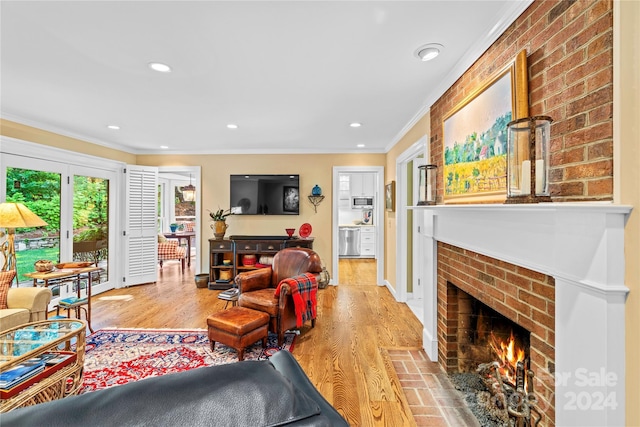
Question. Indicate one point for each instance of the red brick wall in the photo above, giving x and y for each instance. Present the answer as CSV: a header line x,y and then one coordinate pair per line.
x,y
569,47
524,296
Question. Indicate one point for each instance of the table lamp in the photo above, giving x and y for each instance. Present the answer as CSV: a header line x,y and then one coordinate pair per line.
x,y
12,216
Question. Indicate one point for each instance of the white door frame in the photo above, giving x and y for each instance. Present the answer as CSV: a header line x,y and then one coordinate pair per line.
x,y
378,218
416,149
417,291
197,181
72,161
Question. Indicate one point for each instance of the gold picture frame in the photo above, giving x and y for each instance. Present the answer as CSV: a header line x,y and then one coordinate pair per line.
x,y
474,136
390,196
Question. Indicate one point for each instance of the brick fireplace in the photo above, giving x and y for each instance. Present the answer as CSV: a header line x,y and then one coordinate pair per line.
x,y
523,296
554,269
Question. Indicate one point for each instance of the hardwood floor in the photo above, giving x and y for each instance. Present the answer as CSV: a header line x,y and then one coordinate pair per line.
x,y
345,355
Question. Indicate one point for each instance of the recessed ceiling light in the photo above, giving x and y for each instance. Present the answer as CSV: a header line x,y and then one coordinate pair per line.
x,y
355,125
114,127
164,147
232,126
428,51
360,145
158,66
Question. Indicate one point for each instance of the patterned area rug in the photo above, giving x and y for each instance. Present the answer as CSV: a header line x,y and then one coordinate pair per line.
x,y
117,356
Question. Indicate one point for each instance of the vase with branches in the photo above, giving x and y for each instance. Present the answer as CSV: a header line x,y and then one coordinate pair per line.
x,y
219,225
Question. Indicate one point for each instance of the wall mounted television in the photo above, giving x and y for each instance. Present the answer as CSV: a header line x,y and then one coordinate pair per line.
x,y
265,194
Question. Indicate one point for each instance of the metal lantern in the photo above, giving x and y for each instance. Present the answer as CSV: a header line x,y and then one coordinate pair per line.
x,y
528,160
189,192
428,179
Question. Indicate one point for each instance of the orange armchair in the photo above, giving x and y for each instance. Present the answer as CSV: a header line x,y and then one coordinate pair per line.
x,y
257,287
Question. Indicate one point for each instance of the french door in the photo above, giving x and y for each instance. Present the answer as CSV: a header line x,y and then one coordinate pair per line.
x,y
77,202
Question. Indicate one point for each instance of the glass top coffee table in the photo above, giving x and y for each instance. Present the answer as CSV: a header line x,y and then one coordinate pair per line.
x,y
41,361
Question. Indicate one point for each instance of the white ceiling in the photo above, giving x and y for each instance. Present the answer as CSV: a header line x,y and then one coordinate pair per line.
x,y
291,74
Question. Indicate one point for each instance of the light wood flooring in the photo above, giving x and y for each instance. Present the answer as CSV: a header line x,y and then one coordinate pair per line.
x,y
346,355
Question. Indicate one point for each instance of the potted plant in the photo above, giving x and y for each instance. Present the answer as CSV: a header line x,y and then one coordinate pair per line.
x,y
219,225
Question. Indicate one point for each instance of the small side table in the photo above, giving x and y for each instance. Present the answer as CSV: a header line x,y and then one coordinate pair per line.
x,y
76,304
58,277
230,296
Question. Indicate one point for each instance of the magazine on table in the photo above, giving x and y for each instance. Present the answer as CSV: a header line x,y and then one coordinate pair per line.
x,y
58,358
43,358
51,358
20,373
229,294
73,301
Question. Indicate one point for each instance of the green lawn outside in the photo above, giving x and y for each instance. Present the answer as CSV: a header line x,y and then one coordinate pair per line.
x,y
27,259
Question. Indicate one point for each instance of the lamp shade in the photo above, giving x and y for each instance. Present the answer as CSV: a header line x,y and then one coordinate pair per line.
x,y
17,215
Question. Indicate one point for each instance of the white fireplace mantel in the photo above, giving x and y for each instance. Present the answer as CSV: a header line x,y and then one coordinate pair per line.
x,y
582,246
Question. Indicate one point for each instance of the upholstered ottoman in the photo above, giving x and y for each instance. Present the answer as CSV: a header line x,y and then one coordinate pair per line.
x,y
238,327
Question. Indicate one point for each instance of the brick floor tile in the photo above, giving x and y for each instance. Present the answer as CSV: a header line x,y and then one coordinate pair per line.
x,y
412,384
460,417
430,421
399,367
412,396
414,377
426,397
411,367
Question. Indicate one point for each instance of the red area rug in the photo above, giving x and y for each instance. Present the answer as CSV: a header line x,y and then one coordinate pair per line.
x,y
117,356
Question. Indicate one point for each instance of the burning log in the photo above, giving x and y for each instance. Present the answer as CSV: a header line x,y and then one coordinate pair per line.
x,y
511,384
490,373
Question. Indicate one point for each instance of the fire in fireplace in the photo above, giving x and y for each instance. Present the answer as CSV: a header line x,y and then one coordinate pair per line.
x,y
511,386
484,335
497,349
508,357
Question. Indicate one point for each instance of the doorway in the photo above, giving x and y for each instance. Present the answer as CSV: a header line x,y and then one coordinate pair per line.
x,y
176,208
364,224
409,287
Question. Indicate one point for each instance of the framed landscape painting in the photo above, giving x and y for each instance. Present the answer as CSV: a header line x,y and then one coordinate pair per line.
x,y
475,136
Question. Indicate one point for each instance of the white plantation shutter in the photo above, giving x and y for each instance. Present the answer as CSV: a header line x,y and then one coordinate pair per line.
x,y
141,241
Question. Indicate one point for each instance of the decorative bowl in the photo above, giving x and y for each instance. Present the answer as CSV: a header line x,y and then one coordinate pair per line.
x,y
75,264
43,265
290,231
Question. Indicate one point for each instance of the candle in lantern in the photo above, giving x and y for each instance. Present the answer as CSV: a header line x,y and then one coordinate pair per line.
x,y
540,176
525,186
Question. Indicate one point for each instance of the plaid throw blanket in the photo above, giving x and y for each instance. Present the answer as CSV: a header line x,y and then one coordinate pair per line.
x,y
304,289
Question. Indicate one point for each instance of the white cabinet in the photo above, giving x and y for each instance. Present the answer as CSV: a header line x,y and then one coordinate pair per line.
x,y
362,184
367,242
345,188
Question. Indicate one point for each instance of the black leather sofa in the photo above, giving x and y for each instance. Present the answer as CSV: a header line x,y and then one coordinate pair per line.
x,y
274,392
